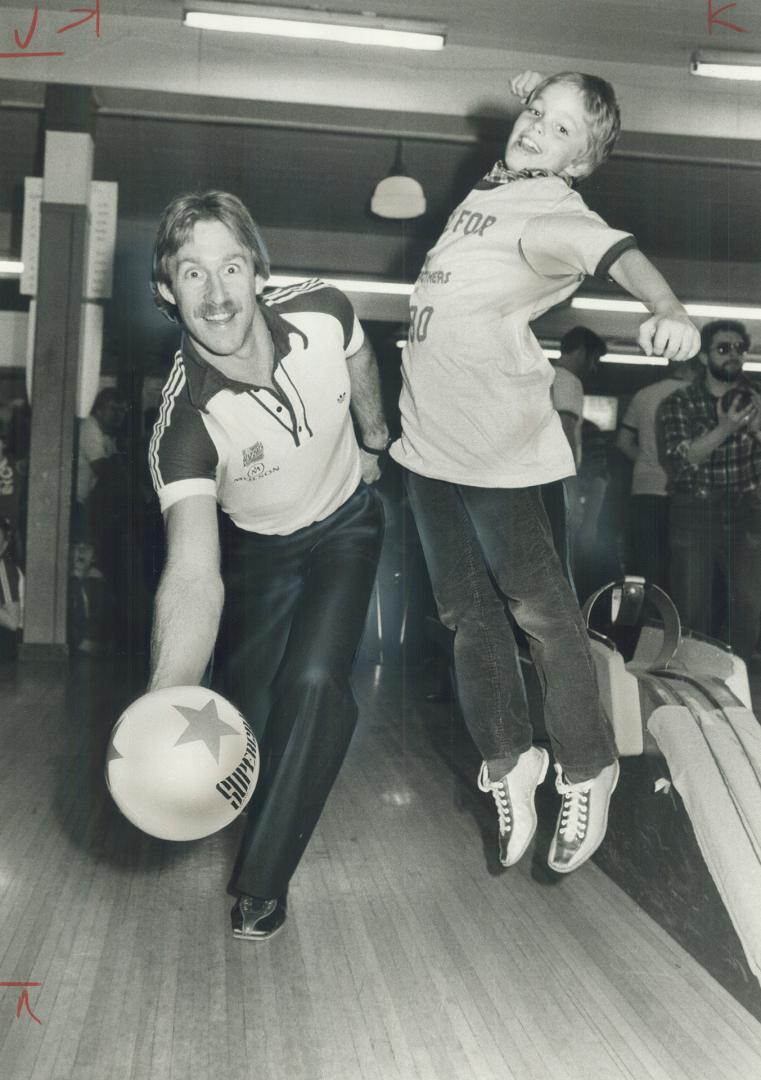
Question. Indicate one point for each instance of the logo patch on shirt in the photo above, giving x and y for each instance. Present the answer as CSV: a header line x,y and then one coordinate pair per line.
x,y
252,454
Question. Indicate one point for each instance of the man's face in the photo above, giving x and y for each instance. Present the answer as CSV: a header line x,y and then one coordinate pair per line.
x,y
213,285
82,558
551,133
725,356
110,416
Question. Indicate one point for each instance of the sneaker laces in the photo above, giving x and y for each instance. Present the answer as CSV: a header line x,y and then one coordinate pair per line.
x,y
498,789
574,811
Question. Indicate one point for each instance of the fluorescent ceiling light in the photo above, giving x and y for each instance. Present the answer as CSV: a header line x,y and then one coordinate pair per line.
x,y
699,310
618,358
359,29
594,303
349,285
634,358
641,359
723,311
741,66
14,268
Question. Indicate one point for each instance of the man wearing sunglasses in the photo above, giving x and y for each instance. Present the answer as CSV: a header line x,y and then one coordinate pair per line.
x,y
712,441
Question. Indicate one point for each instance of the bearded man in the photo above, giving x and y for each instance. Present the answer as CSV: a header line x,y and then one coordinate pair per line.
x,y
712,440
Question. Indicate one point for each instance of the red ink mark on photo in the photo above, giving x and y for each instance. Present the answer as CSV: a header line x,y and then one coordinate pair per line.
x,y
89,13
23,52
714,20
35,19
23,44
23,1001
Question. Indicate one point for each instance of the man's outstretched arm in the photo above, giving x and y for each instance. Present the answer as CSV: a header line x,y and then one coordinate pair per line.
x,y
190,594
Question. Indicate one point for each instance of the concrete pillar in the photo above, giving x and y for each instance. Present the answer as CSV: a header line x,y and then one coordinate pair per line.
x,y
69,147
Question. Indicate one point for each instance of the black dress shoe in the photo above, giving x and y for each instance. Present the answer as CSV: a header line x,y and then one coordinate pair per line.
x,y
254,919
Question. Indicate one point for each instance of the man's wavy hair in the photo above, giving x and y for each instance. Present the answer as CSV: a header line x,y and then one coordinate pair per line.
x,y
717,326
177,223
601,107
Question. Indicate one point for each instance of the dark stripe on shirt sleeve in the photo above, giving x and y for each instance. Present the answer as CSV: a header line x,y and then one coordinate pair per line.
x,y
614,253
338,304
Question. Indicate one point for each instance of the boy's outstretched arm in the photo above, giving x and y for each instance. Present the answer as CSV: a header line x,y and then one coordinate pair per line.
x,y
668,332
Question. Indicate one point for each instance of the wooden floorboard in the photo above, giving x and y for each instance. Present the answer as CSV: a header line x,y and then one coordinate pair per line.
x,y
409,953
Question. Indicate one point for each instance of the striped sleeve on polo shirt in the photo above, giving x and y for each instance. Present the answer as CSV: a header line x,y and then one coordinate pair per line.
x,y
572,239
315,294
181,456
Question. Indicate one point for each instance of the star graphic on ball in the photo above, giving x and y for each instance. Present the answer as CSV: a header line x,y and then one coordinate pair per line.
x,y
204,725
113,754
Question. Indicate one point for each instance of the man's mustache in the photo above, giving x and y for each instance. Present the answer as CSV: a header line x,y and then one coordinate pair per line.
x,y
208,311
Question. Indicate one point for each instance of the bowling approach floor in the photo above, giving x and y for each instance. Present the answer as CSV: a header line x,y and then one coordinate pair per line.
x,y
408,954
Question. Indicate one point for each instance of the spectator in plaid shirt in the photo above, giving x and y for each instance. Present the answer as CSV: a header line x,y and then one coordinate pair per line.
x,y
712,440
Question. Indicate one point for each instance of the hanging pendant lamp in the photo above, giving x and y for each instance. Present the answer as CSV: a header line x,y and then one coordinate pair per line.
x,y
398,196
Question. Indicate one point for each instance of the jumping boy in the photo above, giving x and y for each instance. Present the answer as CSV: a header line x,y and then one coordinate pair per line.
x,y
480,437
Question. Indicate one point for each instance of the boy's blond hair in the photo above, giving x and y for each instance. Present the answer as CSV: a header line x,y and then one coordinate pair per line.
x,y
602,112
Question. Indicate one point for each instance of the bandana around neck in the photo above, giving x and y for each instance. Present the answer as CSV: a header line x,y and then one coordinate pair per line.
x,y
500,174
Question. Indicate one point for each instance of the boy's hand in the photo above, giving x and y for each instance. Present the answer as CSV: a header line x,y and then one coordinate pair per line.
x,y
524,84
669,334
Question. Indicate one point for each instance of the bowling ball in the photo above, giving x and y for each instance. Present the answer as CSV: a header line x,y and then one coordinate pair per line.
x,y
738,397
182,763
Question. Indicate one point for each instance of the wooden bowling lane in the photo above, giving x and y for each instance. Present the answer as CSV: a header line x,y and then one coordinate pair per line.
x,y
408,953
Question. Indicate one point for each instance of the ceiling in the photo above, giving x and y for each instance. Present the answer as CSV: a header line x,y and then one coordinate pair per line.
x,y
643,46
302,132
652,32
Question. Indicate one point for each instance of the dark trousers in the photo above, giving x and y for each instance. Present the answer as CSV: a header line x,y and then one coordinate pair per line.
x,y
721,533
485,548
297,607
648,554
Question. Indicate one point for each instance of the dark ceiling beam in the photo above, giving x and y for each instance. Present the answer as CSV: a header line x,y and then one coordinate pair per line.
x,y
378,123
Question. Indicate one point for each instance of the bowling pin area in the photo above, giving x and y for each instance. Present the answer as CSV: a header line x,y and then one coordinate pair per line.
x,y
408,953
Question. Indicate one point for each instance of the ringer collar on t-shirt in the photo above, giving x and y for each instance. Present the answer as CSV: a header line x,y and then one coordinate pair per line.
x,y
499,174
204,380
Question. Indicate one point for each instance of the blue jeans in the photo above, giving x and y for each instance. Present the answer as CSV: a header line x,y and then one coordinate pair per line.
x,y
296,610
485,548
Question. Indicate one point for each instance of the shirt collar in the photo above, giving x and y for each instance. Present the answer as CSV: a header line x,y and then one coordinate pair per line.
x,y
500,174
204,380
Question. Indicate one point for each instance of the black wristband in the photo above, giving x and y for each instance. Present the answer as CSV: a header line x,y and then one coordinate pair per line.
x,y
375,450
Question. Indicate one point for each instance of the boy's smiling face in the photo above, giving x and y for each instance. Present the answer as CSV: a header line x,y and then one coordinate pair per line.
x,y
551,133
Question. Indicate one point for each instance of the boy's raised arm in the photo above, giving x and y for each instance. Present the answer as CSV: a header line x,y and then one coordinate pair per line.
x,y
669,331
523,84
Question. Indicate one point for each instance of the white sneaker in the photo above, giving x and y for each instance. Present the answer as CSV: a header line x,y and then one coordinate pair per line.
x,y
583,818
514,796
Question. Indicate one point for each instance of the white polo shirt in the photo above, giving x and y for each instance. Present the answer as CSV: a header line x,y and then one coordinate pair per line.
x,y
475,403
274,462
